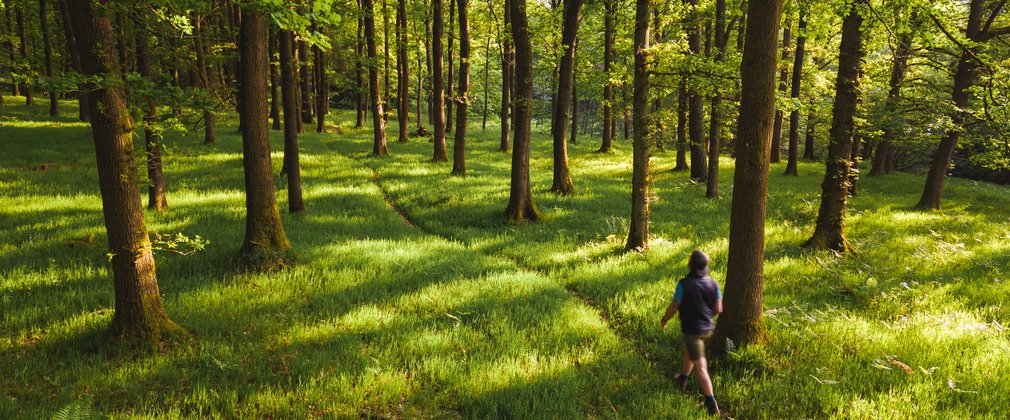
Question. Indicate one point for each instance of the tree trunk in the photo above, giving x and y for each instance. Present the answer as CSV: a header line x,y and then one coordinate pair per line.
x,y
265,242
84,111
563,99
27,88
608,88
403,72
275,105
638,233
829,233
139,314
783,85
291,166
696,102
204,81
682,98
306,84
626,116
507,68
438,110
427,62
322,88
12,51
54,103
715,118
450,100
459,145
964,78
808,142
156,199
573,136
792,166
378,122
743,320
359,99
521,207
385,53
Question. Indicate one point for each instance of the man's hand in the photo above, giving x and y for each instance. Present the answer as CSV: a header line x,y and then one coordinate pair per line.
x,y
663,322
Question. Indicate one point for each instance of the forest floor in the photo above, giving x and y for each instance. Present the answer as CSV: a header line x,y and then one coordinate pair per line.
x,y
410,296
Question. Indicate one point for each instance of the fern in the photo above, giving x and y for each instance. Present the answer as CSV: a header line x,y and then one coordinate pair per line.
x,y
77,410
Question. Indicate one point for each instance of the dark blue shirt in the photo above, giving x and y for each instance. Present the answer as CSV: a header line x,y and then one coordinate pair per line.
x,y
697,296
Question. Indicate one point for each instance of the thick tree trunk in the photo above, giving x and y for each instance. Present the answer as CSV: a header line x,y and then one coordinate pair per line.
x,y
696,102
743,320
378,122
291,167
437,78
638,233
275,104
829,233
265,242
139,314
563,99
156,199
459,145
54,103
521,207
507,68
792,165
715,117
403,72
783,86
204,81
27,88
609,7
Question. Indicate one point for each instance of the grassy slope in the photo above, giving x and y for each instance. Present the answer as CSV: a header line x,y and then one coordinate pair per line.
x,y
463,314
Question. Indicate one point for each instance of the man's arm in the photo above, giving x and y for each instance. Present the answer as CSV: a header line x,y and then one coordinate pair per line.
x,y
718,306
670,312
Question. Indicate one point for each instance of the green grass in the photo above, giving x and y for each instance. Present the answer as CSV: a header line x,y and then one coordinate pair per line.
x,y
459,314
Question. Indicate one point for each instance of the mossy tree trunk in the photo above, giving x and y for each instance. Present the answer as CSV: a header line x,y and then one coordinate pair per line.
x,y
521,207
638,233
139,314
374,95
829,233
265,242
459,143
743,321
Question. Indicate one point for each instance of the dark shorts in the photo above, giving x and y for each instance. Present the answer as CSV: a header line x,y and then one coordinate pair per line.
x,y
694,345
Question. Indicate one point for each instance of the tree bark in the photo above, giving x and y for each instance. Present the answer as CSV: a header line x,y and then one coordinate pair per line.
x,y
265,242
459,145
450,100
829,233
139,314
507,68
682,98
715,117
792,165
783,86
275,104
156,199
403,72
438,110
359,100
521,207
609,7
808,142
289,96
204,81
696,102
27,88
638,233
306,84
899,65
563,99
84,111
385,52
322,88
378,122
743,319
54,103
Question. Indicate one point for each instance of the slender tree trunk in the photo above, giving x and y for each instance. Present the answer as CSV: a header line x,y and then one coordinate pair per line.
x,y
420,89
27,88
204,82
156,199
459,146
696,102
743,319
829,232
83,109
682,98
573,136
638,233
521,207
715,118
403,72
794,117
359,99
438,111
899,65
322,88
378,122
450,99
305,90
808,142
783,86
507,67
54,103
139,314
385,52
427,62
275,105
487,78
12,51
626,127
608,86
291,166
563,99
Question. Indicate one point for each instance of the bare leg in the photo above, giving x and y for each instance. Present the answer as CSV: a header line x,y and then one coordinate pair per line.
x,y
688,365
703,378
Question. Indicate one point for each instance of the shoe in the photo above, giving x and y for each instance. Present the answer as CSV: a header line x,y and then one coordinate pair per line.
x,y
682,382
711,405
